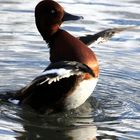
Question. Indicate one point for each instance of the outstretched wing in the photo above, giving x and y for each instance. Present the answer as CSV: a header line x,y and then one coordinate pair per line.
x,y
103,36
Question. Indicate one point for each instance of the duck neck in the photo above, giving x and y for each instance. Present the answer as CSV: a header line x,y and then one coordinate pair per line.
x,y
48,33
52,38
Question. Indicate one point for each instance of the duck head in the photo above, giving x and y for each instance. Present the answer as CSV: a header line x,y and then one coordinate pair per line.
x,y
49,15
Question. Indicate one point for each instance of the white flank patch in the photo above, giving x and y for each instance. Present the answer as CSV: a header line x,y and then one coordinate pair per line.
x,y
13,101
81,94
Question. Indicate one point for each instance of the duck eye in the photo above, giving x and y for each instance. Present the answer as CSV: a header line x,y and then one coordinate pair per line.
x,y
53,11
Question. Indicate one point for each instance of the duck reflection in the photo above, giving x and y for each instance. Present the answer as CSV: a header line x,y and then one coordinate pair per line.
x,y
70,133
74,125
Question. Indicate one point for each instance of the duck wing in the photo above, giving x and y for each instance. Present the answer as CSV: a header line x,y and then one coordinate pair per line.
x,y
103,36
53,84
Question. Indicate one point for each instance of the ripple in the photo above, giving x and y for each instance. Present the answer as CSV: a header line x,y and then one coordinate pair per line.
x,y
114,113
124,22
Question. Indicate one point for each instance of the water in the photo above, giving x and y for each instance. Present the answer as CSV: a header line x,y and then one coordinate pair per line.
x,y
113,113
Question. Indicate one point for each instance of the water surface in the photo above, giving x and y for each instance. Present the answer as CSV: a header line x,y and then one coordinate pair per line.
x,y
113,111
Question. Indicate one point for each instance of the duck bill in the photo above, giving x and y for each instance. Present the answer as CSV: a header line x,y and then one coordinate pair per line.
x,y
68,17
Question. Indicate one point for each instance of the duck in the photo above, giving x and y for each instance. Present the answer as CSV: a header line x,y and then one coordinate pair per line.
x,y
73,72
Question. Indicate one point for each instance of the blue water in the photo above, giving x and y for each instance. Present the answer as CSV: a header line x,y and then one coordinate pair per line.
x,y
113,111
